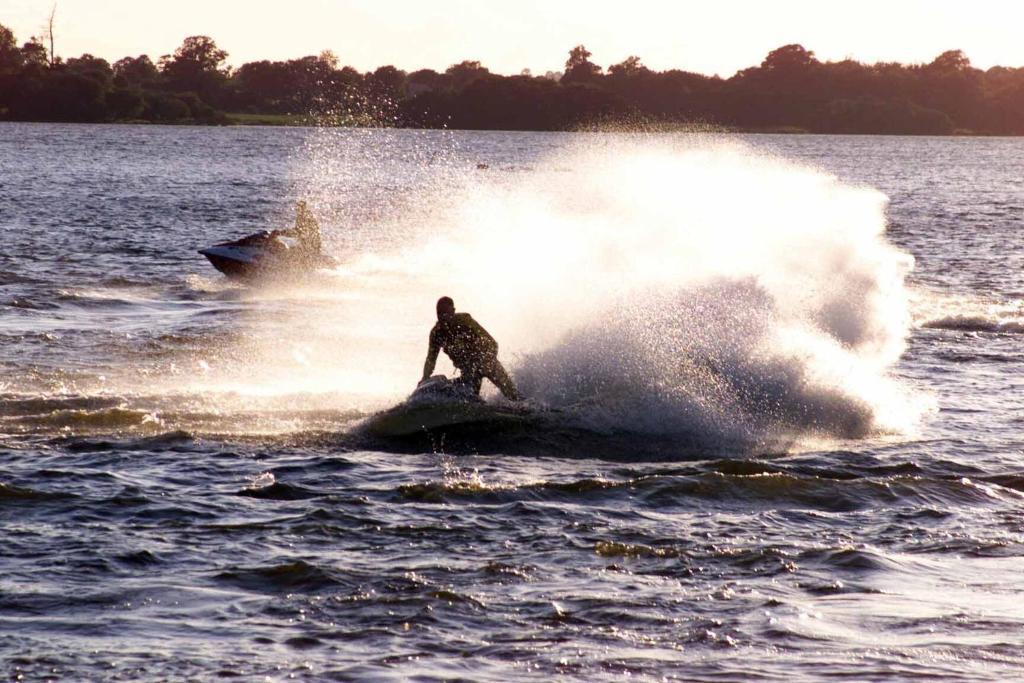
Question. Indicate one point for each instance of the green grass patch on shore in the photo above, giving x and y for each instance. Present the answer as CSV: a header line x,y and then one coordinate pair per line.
x,y
240,119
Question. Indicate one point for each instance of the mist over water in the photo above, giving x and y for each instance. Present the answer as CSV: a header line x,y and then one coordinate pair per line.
x,y
692,286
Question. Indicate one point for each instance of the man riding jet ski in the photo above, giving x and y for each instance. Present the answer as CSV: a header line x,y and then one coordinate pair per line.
x,y
265,253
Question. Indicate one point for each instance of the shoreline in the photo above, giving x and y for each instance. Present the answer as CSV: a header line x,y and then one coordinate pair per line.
x,y
244,120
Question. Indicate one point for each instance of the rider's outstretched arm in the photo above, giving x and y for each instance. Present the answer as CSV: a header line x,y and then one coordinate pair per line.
x,y
432,351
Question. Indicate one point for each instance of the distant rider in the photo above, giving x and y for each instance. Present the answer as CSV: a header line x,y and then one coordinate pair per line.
x,y
472,350
306,230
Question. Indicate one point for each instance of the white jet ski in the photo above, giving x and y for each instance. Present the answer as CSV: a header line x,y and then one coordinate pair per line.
x,y
439,388
261,254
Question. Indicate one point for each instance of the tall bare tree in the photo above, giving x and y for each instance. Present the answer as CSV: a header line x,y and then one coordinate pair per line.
x,y
48,33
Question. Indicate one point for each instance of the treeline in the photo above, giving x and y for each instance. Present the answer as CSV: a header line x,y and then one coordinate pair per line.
x,y
790,89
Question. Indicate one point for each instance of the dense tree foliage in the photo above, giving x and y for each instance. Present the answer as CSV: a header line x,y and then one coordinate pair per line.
x,y
197,67
790,89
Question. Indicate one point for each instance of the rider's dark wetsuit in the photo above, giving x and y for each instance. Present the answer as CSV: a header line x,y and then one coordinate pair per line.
x,y
472,350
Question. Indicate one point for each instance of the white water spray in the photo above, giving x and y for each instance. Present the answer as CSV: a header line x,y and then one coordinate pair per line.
x,y
648,284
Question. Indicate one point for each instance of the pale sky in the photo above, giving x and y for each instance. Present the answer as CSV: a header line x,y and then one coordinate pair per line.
x,y
707,37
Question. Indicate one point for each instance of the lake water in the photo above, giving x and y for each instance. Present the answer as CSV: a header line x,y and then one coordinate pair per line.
x,y
773,429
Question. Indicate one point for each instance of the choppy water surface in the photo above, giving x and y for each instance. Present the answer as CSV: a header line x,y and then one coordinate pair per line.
x,y
774,428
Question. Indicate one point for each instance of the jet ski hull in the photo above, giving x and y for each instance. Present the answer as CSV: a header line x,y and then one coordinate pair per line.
x,y
438,404
261,255
231,264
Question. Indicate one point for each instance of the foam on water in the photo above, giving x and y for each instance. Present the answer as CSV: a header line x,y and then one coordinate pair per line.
x,y
968,313
649,284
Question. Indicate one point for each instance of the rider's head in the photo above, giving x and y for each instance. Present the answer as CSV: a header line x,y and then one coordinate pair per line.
x,y
445,308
